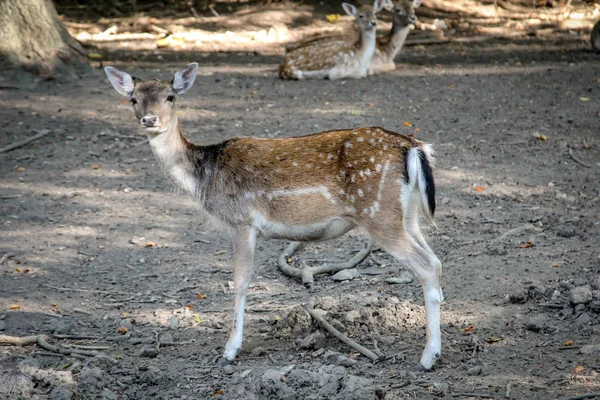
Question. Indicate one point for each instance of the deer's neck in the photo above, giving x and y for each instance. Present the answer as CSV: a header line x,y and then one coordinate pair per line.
x,y
177,159
365,47
397,37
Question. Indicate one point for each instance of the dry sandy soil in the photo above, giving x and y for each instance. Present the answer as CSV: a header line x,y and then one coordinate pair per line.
x,y
95,243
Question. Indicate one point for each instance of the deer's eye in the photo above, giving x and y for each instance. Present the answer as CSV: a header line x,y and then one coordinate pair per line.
x,y
133,102
361,16
170,98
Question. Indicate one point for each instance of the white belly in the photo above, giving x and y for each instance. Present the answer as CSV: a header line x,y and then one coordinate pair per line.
x,y
329,229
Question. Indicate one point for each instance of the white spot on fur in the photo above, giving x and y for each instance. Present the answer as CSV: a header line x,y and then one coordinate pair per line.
x,y
360,192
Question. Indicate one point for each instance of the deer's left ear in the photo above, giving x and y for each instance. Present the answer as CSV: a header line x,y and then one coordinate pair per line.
x,y
184,79
121,81
389,5
378,5
350,9
417,3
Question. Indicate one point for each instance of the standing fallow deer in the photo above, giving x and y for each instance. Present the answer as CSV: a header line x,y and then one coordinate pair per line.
x,y
304,188
336,59
388,46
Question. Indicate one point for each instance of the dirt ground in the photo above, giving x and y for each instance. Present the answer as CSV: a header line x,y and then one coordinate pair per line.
x,y
95,242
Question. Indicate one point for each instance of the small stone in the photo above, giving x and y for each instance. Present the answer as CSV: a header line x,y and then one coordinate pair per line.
x,y
581,295
174,322
445,200
148,352
596,282
387,340
536,324
411,375
518,297
245,373
137,240
352,315
590,349
151,376
346,275
228,369
317,353
315,340
441,387
109,394
405,277
258,351
272,376
127,190
345,361
475,370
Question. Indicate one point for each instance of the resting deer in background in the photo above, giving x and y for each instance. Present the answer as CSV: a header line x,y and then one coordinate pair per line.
x,y
305,188
336,59
388,46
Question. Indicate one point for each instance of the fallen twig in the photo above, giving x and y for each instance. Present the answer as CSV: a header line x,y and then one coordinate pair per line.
x,y
16,145
479,396
582,396
307,274
340,336
80,290
77,337
18,341
515,231
578,160
40,340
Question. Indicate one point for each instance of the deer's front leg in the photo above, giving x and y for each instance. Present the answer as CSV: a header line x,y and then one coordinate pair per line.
x,y
244,241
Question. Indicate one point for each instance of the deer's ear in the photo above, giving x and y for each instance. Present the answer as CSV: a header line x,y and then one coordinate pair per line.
x,y
120,80
350,9
184,79
417,3
378,5
388,5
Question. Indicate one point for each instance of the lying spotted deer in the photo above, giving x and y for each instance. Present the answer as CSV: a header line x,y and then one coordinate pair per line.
x,y
388,46
336,59
305,188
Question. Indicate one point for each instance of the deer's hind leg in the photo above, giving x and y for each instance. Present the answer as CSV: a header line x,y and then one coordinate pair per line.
x,y
406,248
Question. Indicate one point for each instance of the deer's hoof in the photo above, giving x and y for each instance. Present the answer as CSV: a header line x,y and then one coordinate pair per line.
x,y
223,362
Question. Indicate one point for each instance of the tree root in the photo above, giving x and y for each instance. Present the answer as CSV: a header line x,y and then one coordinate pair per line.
x,y
40,340
339,335
307,274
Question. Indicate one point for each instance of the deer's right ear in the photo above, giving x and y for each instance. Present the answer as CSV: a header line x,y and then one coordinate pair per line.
x,y
120,80
350,9
184,79
388,5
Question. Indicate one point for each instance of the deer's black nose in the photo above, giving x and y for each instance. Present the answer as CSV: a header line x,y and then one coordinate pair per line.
x,y
373,23
412,18
149,120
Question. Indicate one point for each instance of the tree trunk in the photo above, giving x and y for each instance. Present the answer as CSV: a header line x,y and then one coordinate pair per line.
x,y
32,38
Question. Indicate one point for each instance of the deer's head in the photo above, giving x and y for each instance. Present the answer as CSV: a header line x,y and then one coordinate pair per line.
x,y
153,101
365,14
404,11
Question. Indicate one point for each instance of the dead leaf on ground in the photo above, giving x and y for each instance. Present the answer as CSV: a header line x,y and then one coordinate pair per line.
x,y
408,124
151,244
479,189
554,265
333,17
526,245
569,343
201,296
14,307
469,328
189,306
540,136
95,167
578,369
122,330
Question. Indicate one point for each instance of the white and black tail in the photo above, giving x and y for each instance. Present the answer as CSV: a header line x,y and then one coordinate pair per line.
x,y
419,172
